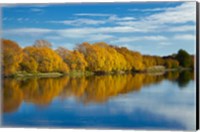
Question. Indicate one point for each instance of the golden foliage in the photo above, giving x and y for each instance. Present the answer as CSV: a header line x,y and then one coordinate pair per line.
x,y
12,95
97,57
171,63
12,56
133,59
28,64
47,59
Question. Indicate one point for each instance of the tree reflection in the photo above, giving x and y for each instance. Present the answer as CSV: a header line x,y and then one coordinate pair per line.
x,y
12,95
184,78
93,89
42,91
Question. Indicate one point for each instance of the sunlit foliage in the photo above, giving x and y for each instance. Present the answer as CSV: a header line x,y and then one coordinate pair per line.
x,y
12,56
133,58
74,59
47,59
98,57
28,64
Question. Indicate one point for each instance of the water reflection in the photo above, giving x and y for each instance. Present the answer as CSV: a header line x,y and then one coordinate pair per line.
x,y
94,89
184,78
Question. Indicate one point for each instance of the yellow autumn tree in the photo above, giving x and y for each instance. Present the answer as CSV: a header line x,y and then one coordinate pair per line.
x,y
171,63
28,64
113,61
133,58
74,59
93,56
47,59
12,56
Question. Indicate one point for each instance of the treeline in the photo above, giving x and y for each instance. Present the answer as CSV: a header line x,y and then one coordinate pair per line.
x,y
97,57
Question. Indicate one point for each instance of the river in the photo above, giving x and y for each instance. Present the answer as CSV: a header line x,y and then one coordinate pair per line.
x,y
127,101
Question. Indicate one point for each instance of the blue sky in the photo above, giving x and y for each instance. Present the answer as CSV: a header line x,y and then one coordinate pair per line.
x,y
150,27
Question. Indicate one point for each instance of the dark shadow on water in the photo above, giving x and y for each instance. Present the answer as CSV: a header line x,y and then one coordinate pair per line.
x,y
184,78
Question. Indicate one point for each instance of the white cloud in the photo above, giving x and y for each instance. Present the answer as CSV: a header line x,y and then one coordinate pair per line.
x,y
93,14
184,28
27,31
79,22
159,22
132,39
185,37
82,32
148,9
180,14
99,37
116,18
84,21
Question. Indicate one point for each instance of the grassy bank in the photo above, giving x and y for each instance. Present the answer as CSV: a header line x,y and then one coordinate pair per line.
x,y
151,70
49,74
80,73
24,74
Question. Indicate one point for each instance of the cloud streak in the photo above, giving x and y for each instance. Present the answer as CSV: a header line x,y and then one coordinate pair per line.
x,y
148,9
93,14
185,37
79,22
132,39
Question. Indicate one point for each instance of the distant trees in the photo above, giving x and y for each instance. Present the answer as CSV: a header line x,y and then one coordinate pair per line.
x,y
184,59
96,57
171,63
42,43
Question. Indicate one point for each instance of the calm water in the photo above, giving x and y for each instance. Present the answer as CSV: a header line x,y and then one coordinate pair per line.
x,y
140,101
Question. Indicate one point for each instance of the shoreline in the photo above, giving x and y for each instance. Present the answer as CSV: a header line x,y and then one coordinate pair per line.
x,y
88,73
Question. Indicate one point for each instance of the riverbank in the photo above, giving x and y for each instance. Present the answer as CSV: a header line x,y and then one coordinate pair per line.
x,y
53,74
151,70
49,74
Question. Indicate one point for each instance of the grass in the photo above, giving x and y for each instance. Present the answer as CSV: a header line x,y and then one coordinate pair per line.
x,y
25,74
156,69
75,73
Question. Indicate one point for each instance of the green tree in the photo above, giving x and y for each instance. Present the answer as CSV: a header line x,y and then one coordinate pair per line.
x,y
184,58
